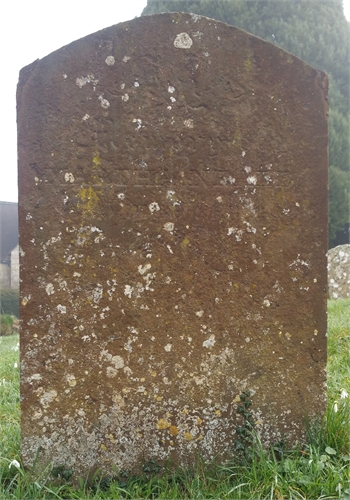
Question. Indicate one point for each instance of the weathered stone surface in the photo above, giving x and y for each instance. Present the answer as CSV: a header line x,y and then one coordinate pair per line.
x,y
339,272
173,208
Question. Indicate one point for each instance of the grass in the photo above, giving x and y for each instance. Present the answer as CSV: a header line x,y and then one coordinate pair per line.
x,y
319,469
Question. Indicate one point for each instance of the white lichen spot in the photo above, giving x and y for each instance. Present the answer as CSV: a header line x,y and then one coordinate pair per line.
x,y
128,291
65,76
172,99
71,380
25,300
153,207
139,123
168,347
219,199
104,103
169,248
252,179
48,397
299,262
68,177
228,180
199,313
50,289
247,339
85,117
189,123
86,79
195,18
183,41
243,154
110,60
267,303
169,226
118,362
125,97
29,216
96,294
136,84
126,59
209,342
61,309
111,372
249,228
121,196
142,269
171,89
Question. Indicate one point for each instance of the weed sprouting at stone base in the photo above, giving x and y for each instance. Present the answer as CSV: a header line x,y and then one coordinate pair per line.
x,y
244,442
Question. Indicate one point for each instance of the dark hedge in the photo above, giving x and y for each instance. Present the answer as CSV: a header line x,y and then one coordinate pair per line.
x,y
9,301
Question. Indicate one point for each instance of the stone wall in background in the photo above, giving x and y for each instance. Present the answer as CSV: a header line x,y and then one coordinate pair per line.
x,y
339,272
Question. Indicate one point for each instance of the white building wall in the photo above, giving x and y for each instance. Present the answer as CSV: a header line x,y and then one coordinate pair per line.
x,y
15,267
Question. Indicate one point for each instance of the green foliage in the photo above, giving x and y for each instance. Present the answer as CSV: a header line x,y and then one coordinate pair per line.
x,y
9,405
9,301
6,324
338,209
318,33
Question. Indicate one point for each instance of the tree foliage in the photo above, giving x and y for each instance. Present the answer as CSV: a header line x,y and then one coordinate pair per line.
x,y
338,214
317,32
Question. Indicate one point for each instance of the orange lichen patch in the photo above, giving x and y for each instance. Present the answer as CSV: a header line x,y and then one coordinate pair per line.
x,y
103,447
218,413
96,160
199,421
163,424
88,199
188,436
173,430
184,243
185,411
200,437
153,374
236,400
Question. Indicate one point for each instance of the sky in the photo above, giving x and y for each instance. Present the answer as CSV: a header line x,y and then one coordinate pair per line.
x,y
31,29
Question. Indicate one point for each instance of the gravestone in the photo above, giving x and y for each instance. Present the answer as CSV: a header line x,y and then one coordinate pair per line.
x,y
173,209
